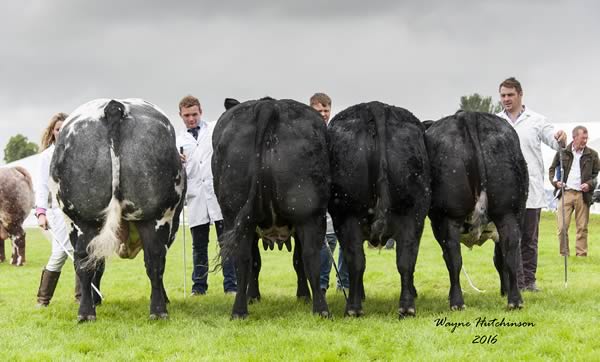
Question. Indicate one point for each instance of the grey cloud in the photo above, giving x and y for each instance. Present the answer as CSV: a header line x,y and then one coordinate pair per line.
x,y
419,55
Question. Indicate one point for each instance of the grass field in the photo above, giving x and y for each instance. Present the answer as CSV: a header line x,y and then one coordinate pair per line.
x,y
565,320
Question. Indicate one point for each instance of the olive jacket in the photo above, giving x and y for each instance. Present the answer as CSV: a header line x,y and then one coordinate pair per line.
x,y
589,164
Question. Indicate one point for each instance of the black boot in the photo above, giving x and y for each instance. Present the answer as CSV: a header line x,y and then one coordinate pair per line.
x,y
48,283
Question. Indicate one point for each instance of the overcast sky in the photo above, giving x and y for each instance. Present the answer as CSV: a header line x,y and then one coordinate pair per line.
x,y
56,55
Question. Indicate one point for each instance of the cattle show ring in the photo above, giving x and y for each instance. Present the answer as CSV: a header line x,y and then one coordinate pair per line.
x,y
450,194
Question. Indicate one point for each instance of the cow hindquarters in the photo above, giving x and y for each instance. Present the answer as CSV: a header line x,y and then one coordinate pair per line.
x,y
351,243
506,257
310,234
155,243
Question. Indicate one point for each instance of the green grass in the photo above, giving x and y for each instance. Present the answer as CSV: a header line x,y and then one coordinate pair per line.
x,y
282,328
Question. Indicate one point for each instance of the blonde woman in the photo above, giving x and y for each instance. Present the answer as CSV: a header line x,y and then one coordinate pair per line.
x,y
50,216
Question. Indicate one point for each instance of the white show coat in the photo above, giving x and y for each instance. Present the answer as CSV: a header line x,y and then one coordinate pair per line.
x,y
201,199
56,220
533,128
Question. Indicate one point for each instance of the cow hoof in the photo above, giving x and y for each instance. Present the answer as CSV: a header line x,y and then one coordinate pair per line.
x,y
406,312
155,317
513,306
239,316
458,307
325,315
355,313
86,318
253,300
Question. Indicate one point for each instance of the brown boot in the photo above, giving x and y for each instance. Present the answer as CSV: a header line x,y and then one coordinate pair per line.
x,y
47,286
77,289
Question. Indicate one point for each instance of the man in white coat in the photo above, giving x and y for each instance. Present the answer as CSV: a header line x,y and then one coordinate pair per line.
x,y
532,129
202,205
321,103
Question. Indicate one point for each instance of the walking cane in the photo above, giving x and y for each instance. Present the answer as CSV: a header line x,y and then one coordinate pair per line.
x,y
183,229
562,198
61,243
337,271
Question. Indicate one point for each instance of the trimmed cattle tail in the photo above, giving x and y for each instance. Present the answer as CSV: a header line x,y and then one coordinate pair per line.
x,y
16,202
121,183
479,176
380,190
271,178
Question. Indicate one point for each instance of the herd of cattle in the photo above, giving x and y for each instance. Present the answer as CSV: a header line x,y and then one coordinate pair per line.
x,y
278,169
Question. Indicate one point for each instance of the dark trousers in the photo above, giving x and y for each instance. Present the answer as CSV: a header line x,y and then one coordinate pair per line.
x,y
200,260
529,248
327,262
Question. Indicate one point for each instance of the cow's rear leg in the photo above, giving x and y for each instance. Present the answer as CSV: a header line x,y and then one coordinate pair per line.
x,y
80,237
311,234
447,233
2,254
253,287
302,291
350,238
507,249
154,242
242,248
407,249
18,253
499,264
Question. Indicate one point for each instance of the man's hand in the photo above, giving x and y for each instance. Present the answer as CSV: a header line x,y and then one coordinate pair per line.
x,y
585,187
559,184
42,221
561,137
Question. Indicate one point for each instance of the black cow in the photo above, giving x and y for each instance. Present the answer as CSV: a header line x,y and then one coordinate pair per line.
x,y
271,178
119,175
380,190
479,176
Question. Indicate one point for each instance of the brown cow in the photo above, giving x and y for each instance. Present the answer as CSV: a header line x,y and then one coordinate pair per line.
x,y
16,202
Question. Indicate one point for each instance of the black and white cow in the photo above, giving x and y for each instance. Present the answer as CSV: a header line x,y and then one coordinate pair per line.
x,y
380,190
479,176
120,182
16,202
271,177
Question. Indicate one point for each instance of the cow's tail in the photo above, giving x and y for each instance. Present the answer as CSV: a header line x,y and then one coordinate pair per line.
x,y
107,241
380,226
471,121
252,211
